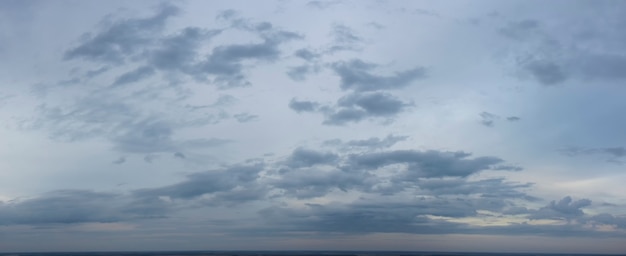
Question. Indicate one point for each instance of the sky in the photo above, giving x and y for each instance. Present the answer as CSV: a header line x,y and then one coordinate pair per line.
x,y
313,125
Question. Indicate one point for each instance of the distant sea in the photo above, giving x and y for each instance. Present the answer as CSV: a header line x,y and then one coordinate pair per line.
x,y
286,253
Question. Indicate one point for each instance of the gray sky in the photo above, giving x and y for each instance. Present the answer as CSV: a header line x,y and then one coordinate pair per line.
x,y
367,125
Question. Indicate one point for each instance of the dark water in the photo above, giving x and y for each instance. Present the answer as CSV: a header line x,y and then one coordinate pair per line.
x,y
285,253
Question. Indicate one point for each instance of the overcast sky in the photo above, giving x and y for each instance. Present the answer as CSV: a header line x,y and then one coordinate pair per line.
x,y
353,125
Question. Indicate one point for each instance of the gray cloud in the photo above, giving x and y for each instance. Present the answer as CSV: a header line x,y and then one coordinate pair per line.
x,y
221,182
120,160
546,72
179,51
134,76
120,40
344,39
371,143
603,66
356,74
299,73
301,157
519,30
565,208
322,4
488,118
426,164
356,107
306,54
74,206
303,106
374,217
614,154
245,117
488,188
225,61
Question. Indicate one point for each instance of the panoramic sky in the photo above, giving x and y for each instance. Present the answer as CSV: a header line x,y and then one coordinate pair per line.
x,y
325,125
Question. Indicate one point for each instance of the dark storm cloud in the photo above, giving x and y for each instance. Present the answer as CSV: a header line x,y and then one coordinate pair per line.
x,y
303,106
134,76
301,157
371,143
357,75
426,164
120,40
356,107
72,206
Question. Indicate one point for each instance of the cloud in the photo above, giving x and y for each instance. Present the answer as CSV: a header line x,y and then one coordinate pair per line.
x,y
371,143
356,107
299,73
603,66
245,117
426,164
322,4
120,160
372,217
75,206
220,182
519,30
180,51
546,72
301,157
225,62
488,118
134,76
565,208
487,188
120,40
356,75
303,106
344,39
614,153
306,54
